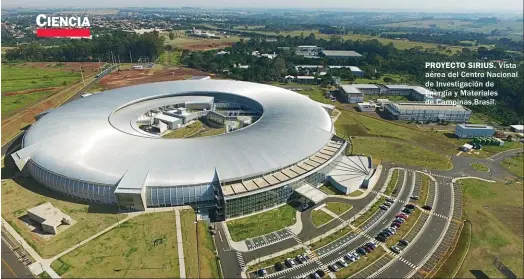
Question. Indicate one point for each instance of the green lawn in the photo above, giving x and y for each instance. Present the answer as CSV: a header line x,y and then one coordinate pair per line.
x,y
424,189
145,246
170,58
262,223
319,218
203,254
338,207
392,183
372,210
330,189
330,238
391,98
450,267
355,193
404,153
18,77
13,103
479,167
273,261
514,164
361,263
495,211
184,131
25,193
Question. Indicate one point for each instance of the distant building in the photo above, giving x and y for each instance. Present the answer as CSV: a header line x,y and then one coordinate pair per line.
x,y
466,131
367,89
340,53
308,51
366,107
355,70
49,217
517,128
417,111
300,79
200,77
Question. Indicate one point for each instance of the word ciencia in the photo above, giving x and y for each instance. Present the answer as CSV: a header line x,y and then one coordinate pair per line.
x,y
470,65
59,21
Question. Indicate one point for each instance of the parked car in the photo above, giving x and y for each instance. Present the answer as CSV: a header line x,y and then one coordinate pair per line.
x,y
381,238
356,255
427,207
396,224
387,203
404,242
371,245
410,206
401,215
299,259
383,207
305,257
395,249
390,200
262,272
321,273
279,266
414,197
361,251
334,267
290,262
343,263
407,210
350,257
400,220
314,275
368,249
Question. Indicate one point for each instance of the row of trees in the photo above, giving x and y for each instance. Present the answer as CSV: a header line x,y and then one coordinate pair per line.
x,y
122,45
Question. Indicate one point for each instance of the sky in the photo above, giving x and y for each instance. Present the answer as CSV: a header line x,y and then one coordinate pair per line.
x,y
461,6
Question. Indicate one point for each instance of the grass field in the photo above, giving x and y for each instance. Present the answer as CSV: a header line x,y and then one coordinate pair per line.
x,y
338,207
203,254
392,183
361,263
372,210
424,189
396,79
404,153
170,58
25,193
330,189
355,193
262,223
183,41
185,131
400,44
18,77
495,211
450,267
391,98
319,218
479,167
514,164
330,238
145,246
13,103
273,261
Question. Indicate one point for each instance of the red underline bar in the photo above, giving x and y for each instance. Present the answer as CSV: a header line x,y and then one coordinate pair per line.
x,y
63,32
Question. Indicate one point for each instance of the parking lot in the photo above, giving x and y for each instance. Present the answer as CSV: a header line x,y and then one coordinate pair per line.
x,y
441,253
457,209
431,193
369,270
417,227
333,245
266,239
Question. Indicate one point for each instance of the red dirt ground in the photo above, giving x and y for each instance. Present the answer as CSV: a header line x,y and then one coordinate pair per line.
x,y
134,77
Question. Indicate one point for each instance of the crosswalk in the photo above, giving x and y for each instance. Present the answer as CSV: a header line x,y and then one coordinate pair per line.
x,y
401,259
441,216
394,198
442,176
240,260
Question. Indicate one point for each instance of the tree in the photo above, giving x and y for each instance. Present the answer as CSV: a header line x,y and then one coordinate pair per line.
x,y
171,35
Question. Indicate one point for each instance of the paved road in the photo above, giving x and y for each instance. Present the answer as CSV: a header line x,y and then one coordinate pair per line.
x,y
419,249
357,241
11,266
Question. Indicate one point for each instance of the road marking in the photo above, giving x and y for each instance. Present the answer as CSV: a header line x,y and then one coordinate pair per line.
x,y
9,267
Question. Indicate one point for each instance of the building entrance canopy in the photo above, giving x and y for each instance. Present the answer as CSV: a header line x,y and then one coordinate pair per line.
x,y
311,193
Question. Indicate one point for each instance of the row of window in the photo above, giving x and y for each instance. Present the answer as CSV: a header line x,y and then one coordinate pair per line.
x,y
79,189
180,195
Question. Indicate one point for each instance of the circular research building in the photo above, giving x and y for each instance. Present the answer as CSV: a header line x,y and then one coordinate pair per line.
x,y
150,146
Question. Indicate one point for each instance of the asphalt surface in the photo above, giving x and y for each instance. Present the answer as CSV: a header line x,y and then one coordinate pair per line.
x,y
421,248
368,236
11,266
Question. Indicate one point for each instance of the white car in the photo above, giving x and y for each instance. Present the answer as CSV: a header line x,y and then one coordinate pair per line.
x,y
342,263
